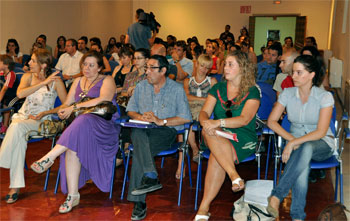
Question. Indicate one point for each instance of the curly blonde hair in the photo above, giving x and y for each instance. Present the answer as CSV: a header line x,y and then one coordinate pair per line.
x,y
247,71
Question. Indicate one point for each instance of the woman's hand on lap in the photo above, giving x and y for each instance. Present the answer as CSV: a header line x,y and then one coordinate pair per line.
x,y
65,112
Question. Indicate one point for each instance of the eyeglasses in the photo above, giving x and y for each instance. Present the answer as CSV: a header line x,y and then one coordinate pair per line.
x,y
139,58
229,111
150,67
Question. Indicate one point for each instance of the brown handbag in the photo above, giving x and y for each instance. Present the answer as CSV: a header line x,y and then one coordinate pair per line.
x,y
332,212
105,109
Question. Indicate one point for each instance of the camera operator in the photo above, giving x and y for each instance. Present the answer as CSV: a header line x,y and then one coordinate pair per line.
x,y
140,34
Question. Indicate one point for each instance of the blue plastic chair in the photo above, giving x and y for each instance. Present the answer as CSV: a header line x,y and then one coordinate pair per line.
x,y
26,57
172,150
113,65
333,161
267,101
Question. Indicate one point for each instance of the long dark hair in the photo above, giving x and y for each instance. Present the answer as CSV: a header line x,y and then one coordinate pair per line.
x,y
311,64
12,40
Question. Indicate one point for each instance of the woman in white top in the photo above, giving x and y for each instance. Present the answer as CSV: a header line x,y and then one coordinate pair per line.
x,y
196,89
309,110
40,91
12,49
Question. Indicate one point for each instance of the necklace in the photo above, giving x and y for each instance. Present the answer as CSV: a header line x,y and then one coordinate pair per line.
x,y
86,91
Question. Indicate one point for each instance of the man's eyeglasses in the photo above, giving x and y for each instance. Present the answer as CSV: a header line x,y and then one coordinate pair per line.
x,y
229,111
151,67
139,58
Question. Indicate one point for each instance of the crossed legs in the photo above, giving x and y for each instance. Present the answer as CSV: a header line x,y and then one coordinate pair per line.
x,y
221,161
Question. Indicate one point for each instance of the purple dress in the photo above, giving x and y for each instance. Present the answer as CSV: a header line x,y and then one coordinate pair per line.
x,y
95,140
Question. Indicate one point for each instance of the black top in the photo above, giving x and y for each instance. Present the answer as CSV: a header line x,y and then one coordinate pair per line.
x,y
120,77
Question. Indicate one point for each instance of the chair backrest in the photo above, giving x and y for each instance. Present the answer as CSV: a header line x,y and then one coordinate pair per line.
x,y
217,76
268,98
108,56
18,65
113,65
18,70
26,57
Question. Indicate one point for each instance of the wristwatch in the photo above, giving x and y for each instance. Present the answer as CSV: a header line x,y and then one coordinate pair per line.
x,y
165,121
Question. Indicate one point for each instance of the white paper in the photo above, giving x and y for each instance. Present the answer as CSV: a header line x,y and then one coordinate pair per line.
x,y
139,122
257,191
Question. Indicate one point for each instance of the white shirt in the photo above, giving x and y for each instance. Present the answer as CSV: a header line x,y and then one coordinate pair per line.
x,y
69,65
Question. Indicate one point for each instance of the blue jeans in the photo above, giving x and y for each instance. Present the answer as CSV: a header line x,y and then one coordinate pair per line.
x,y
296,173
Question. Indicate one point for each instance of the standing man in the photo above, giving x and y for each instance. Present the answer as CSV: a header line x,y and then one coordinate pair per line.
x,y
139,34
227,36
163,102
69,62
184,65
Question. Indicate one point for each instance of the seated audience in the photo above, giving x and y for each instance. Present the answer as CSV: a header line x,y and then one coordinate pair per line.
x,y
288,45
210,50
262,57
286,65
12,49
111,43
98,48
122,39
160,49
125,66
35,46
170,113
234,104
82,44
96,40
311,50
141,57
310,41
69,62
40,90
196,89
42,40
245,47
89,144
9,88
309,138
60,48
115,51
268,70
178,58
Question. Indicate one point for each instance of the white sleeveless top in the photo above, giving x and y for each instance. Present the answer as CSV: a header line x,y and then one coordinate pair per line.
x,y
39,101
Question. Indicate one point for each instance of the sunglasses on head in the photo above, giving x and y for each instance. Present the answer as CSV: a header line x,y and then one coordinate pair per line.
x,y
229,111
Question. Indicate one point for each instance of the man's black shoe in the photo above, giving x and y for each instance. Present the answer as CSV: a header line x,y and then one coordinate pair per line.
x,y
139,212
321,174
312,176
147,185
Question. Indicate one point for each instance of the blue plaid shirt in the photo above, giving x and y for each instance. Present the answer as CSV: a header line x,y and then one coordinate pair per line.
x,y
171,101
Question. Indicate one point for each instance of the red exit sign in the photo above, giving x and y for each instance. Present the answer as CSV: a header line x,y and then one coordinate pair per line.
x,y
246,9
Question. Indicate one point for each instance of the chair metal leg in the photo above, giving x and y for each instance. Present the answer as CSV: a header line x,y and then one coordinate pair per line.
x,y
189,168
267,158
57,180
341,182
181,178
47,179
336,183
199,171
162,164
48,171
25,165
259,156
125,175
112,177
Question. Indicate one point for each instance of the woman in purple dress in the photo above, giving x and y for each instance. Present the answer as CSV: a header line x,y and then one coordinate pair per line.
x,y
90,143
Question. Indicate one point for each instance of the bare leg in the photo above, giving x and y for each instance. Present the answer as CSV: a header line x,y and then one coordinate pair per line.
x,y
214,179
192,142
222,149
221,160
54,153
73,167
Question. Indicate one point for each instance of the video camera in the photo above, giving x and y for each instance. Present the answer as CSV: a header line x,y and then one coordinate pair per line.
x,y
149,20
